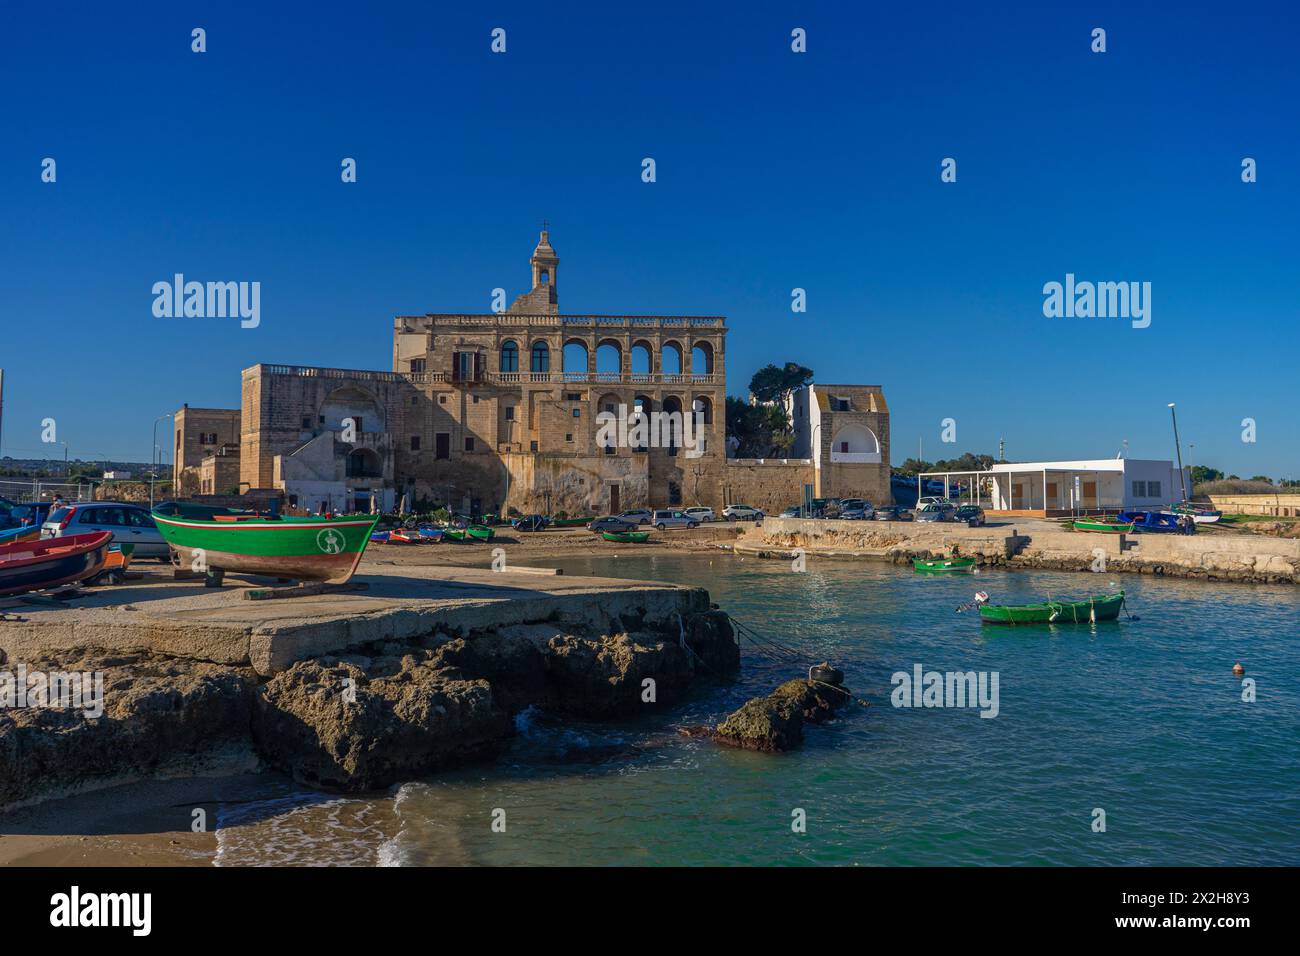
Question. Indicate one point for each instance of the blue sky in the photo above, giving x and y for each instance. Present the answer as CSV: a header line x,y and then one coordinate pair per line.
x,y
775,171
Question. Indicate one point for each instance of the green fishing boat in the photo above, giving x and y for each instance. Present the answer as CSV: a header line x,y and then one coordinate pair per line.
x,y
569,522
308,549
949,564
1102,525
455,534
626,537
480,531
1100,607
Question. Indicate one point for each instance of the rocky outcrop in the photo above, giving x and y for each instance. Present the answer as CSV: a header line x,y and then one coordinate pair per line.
x,y
775,723
388,711
159,715
364,723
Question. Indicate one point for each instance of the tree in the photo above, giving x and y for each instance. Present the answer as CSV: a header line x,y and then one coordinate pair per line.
x,y
772,384
1262,478
760,431
1204,473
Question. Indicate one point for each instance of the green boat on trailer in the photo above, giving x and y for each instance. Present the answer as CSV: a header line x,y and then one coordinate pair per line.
x,y
1099,607
306,549
1102,525
948,564
626,537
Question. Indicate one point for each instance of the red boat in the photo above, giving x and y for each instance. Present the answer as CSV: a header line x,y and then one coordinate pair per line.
x,y
400,536
37,565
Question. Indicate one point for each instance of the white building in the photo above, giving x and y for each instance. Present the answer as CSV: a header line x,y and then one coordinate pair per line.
x,y
116,475
1057,488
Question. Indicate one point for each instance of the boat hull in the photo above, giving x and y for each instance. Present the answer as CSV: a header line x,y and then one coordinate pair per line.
x,y
35,566
1102,607
1104,527
26,533
957,565
306,549
626,537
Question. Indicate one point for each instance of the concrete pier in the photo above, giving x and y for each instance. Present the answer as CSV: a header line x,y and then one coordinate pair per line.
x,y
187,620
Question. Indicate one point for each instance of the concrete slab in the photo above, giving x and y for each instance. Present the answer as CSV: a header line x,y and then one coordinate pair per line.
x,y
185,619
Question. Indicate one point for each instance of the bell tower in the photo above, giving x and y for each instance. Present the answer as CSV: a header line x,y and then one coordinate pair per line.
x,y
544,298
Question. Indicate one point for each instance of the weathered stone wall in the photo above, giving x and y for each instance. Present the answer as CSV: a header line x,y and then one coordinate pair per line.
x,y
1279,505
770,484
193,428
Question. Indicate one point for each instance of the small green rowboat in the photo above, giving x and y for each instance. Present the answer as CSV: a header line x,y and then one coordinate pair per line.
x,y
455,534
480,531
1099,607
1100,524
569,522
308,549
626,537
950,564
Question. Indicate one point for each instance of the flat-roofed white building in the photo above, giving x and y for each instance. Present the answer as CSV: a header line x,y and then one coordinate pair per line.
x,y
1048,489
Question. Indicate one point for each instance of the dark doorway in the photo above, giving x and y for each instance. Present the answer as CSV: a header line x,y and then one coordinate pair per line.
x,y
613,500
442,445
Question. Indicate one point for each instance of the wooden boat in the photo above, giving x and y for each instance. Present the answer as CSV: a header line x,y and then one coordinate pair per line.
x,y
1099,607
308,549
1102,525
1151,521
430,533
116,562
481,532
949,564
37,565
380,536
1199,515
626,537
402,536
455,534
27,532
569,522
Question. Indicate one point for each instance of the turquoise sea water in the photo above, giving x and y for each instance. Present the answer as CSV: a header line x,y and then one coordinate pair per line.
x,y
1142,719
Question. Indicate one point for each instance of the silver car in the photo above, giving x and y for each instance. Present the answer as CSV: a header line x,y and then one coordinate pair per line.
x,y
664,520
130,524
700,513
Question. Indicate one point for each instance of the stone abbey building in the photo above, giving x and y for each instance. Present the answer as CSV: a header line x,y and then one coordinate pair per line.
x,y
492,411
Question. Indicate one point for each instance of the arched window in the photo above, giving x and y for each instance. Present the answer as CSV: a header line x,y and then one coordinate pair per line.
x,y
545,277
541,358
509,356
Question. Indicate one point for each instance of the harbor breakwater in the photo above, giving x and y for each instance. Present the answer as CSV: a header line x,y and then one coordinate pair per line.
x,y
395,701
1210,556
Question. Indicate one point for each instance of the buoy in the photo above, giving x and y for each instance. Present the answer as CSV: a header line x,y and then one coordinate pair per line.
x,y
1238,669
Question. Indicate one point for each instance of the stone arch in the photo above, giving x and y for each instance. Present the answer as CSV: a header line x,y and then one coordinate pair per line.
x,y
670,427
702,358
855,443
609,357
352,401
641,358
576,356
364,463
671,358
703,404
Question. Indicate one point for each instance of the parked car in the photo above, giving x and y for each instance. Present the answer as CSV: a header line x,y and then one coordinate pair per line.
x,y
942,511
741,513
637,515
794,511
529,523
610,523
893,513
663,520
859,510
130,524
701,514
973,515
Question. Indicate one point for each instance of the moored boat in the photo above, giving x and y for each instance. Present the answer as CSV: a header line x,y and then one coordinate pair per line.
x,y
944,564
37,565
1151,521
308,549
1103,525
626,537
570,522
1099,607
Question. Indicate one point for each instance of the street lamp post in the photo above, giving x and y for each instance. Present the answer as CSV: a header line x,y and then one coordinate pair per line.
x,y
1182,479
154,473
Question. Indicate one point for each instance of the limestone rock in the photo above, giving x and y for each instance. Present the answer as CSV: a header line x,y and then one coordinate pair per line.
x,y
775,723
